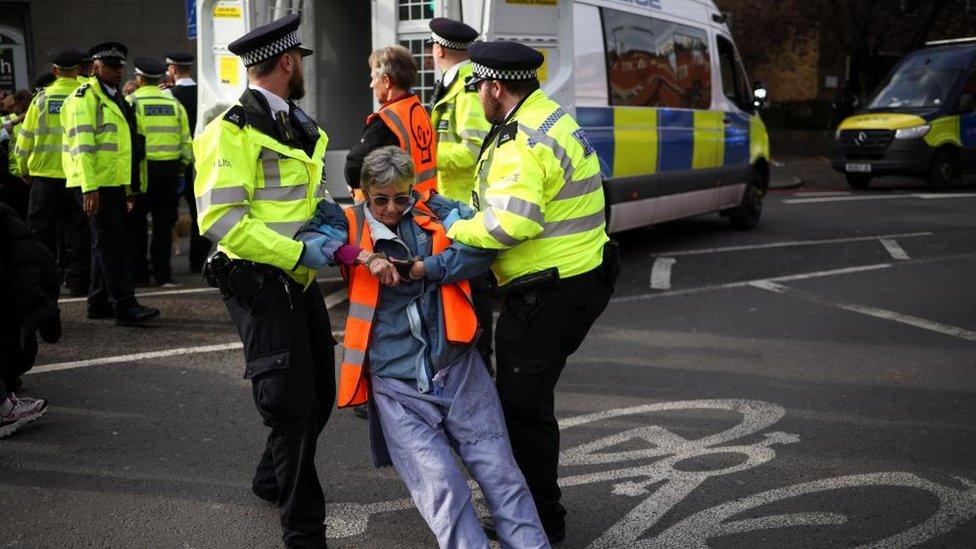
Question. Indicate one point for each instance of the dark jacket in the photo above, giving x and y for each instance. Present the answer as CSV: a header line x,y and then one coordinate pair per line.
x,y
29,289
187,96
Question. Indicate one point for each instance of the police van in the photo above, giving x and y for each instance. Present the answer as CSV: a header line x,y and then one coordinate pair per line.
x,y
921,122
657,84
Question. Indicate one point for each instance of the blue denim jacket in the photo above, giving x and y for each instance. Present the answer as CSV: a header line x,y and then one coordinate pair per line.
x,y
394,350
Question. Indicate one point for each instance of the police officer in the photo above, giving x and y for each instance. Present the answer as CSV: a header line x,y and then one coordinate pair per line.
x,y
164,122
101,159
461,127
179,67
259,179
540,197
53,214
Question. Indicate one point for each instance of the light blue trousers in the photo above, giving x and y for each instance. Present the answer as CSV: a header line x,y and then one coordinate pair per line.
x,y
461,415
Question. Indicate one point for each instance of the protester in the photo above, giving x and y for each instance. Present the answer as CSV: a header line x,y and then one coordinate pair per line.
x,y
409,351
29,288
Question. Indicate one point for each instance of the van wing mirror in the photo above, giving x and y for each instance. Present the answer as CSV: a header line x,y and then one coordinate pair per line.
x,y
966,103
760,94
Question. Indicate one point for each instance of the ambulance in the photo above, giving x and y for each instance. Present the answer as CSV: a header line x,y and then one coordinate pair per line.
x,y
657,85
921,122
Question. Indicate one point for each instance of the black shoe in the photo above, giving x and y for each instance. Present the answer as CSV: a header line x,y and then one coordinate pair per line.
x,y
135,315
100,312
15,385
271,496
77,292
142,282
556,536
361,411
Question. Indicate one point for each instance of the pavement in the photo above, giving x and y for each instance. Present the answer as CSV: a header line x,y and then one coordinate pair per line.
x,y
809,383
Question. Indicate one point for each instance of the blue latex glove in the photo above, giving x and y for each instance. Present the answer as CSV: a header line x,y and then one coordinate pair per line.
x,y
180,185
467,212
334,233
314,256
451,218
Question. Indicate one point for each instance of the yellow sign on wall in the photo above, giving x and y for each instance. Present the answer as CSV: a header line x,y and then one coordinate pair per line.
x,y
532,2
227,11
542,73
229,70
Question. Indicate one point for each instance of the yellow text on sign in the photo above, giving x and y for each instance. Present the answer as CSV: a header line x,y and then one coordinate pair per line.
x,y
227,11
229,71
532,2
542,73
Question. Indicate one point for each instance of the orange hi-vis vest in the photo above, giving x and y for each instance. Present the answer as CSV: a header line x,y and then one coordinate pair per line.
x,y
460,322
408,120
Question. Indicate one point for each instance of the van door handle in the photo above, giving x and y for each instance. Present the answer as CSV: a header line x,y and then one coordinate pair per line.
x,y
727,121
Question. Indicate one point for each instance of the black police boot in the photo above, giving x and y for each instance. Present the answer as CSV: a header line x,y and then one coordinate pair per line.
x,y
100,312
134,315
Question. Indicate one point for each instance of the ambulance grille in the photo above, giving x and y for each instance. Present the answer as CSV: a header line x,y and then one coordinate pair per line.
x,y
859,142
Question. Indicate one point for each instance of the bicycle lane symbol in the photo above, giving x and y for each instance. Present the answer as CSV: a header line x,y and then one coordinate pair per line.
x,y
670,450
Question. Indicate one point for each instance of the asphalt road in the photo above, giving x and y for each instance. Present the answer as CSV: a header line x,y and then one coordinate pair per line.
x,y
809,383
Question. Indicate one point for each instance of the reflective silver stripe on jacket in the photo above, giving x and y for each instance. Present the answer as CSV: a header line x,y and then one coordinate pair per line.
x,y
577,225
518,206
495,229
281,194
270,168
425,175
353,356
225,222
582,187
362,312
162,129
94,148
44,148
163,148
403,129
221,196
285,228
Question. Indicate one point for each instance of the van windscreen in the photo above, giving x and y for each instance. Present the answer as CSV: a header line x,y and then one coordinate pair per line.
x,y
922,80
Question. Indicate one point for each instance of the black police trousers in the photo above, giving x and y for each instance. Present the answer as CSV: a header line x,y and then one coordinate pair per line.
x,y
290,359
162,202
111,277
536,332
199,245
62,226
481,301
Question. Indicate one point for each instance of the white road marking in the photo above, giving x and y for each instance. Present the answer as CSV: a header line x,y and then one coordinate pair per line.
x,y
884,314
745,283
822,193
134,357
793,243
895,249
183,291
861,197
661,273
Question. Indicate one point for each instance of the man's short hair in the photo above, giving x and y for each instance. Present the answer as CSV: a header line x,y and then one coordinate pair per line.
x,y
397,63
386,166
521,88
264,68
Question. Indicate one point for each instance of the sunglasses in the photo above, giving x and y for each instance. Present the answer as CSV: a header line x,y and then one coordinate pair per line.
x,y
401,201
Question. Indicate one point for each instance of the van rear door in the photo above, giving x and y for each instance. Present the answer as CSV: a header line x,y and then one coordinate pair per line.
x,y
736,111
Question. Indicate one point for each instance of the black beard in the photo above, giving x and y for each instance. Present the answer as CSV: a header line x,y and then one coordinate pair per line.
x,y
493,110
296,86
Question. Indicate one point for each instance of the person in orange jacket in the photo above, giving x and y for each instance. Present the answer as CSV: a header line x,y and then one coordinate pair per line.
x,y
409,351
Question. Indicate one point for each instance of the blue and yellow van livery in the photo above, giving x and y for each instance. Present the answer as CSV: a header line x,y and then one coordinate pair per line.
x,y
666,104
920,123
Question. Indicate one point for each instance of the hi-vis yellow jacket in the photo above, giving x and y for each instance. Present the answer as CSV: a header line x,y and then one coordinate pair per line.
x,y
97,148
540,195
38,148
253,190
459,121
164,122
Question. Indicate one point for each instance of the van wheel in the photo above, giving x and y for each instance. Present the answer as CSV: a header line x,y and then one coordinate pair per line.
x,y
941,171
746,215
858,180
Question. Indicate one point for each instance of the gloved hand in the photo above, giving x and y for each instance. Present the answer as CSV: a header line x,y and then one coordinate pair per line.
x,y
180,185
314,257
451,218
467,212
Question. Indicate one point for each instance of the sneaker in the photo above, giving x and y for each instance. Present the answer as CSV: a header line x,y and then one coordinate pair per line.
x,y
25,410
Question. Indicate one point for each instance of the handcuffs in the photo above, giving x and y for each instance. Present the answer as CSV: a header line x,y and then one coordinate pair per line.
x,y
403,266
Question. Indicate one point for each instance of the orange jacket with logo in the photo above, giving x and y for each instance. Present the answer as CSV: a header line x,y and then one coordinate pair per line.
x,y
461,324
408,120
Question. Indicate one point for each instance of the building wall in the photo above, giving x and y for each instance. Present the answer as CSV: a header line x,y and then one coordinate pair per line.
x,y
146,27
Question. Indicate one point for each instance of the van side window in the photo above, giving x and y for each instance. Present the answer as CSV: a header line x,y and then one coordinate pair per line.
x,y
735,87
655,63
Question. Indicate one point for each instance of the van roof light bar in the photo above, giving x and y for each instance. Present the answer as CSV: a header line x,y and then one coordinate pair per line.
x,y
951,41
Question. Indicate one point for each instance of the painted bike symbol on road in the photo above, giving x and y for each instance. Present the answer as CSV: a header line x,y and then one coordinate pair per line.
x,y
680,465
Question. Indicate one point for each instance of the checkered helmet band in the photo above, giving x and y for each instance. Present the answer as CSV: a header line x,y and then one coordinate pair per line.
x,y
267,51
482,71
449,43
111,52
148,74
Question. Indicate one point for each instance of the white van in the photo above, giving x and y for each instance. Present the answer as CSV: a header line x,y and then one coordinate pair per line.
x,y
657,84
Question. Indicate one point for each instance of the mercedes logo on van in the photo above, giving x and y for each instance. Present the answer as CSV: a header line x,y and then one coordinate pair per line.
x,y
861,138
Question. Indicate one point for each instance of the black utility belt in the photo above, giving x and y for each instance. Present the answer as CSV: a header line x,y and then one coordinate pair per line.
x,y
239,277
548,279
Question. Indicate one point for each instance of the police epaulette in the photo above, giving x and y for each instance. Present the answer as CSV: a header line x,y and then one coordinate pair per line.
x,y
507,133
235,115
80,92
